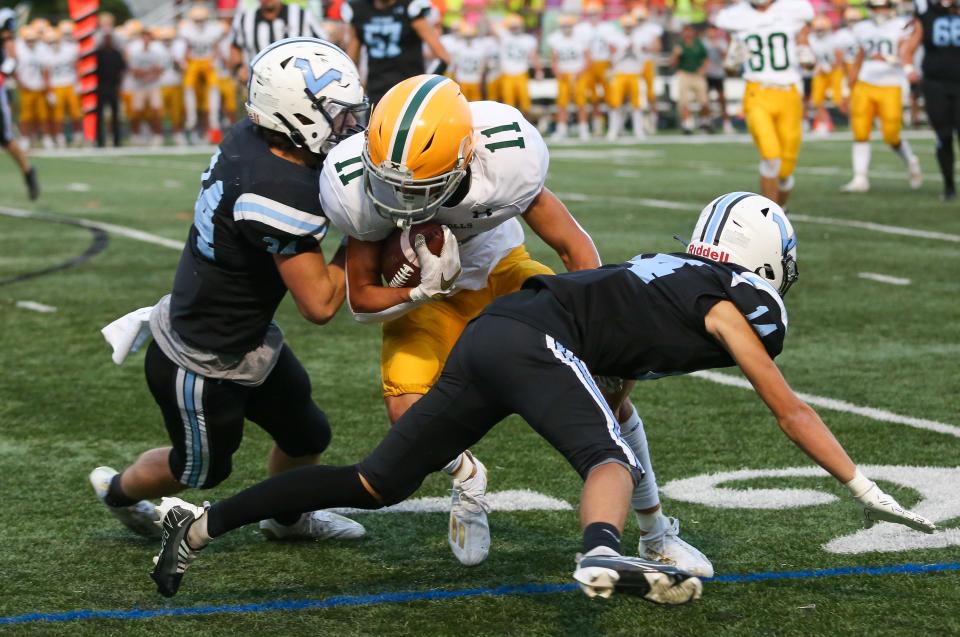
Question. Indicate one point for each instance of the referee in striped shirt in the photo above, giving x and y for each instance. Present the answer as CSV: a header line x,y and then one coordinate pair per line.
x,y
256,29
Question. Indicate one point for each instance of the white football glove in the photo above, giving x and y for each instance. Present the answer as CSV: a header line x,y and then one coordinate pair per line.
x,y
880,507
437,274
806,57
737,54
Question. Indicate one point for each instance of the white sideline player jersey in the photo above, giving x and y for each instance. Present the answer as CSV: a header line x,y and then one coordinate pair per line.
x,y
844,40
492,45
176,52
570,52
631,51
30,65
62,64
515,51
141,56
881,39
824,50
202,38
596,38
769,37
469,60
507,172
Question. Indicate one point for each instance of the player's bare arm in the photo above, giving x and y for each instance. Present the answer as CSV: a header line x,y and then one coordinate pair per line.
x,y
317,287
353,44
366,292
549,218
431,38
908,49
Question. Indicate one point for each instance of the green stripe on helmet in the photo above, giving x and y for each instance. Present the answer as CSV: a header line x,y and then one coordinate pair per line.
x,y
407,120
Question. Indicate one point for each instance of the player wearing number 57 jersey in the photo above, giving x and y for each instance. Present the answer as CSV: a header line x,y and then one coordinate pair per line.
x,y
767,37
876,80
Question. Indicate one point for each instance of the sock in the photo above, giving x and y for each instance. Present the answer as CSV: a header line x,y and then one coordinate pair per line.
x,y
287,519
298,491
904,150
613,128
583,129
115,496
636,119
861,158
213,112
198,535
190,105
649,522
601,534
645,494
460,467
598,125
562,129
945,161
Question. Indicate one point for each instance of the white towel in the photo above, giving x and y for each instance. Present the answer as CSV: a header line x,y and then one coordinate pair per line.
x,y
128,333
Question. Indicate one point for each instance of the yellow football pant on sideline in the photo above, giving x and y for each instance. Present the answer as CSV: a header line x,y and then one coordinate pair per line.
x,y
775,119
568,83
471,92
200,70
416,345
823,82
868,101
66,103
33,107
228,94
493,89
515,91
649,75
624,86
597,77
173,104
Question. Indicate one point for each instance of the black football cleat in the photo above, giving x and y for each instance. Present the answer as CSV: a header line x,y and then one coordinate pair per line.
x,y
176,517
33,186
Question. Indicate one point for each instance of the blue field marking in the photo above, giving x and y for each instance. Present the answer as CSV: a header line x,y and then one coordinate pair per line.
x,y
421,596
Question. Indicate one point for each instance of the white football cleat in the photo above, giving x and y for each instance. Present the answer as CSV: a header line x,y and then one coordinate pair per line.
x,y
317,525
141,518
469,537
858,184
176,554
916,175
602,571
666,546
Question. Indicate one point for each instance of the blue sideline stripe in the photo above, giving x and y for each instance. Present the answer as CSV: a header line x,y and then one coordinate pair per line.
x,y
421,596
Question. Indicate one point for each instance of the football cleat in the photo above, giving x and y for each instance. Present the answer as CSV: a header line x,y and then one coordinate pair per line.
x,y
469,537
318,525
33,186
665,545
141,518
603,571
915,174
176,554
858,184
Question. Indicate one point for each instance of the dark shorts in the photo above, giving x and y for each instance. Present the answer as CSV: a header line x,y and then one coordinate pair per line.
x,y
500,367
715,84
204,416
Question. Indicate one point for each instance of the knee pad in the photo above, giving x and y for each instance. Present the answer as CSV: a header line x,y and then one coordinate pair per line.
x,y
769,168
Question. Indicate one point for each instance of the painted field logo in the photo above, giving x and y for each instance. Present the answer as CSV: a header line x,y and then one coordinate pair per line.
x,y
937,486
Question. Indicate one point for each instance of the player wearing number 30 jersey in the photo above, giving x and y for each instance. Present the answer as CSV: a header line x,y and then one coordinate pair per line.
x,y
767,36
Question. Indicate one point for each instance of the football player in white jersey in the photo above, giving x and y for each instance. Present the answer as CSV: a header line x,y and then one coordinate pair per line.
x,y
61,62
469,61
475,168
876,81
828,74
769,38
31,75
570,62
171,86
596,36
201,35
518,53
492,79
146,60
629,59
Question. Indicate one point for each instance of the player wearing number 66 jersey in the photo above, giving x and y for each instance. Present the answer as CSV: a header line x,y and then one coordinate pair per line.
x,y
474,168
769,39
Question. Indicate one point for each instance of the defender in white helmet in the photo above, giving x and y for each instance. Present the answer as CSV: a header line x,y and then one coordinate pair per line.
x,y
655,315
217,357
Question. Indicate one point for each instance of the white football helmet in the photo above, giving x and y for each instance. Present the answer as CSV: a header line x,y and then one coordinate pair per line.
x,y
751,231
309,90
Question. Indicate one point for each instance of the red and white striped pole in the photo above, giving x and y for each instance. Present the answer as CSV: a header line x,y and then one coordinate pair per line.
x,y
84,15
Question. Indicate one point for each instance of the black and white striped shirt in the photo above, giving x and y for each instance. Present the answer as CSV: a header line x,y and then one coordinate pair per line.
x,y
252,33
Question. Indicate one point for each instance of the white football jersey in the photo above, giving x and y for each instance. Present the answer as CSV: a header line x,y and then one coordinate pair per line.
x,y
202,38
62,64
770,37
492,45
176,52
881,39
596,38
844,40
824,50
507,172
469,60
570,52
141,56
30,65
515,51
632,50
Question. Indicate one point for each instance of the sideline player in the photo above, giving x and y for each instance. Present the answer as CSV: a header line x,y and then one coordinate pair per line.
x,y
201,35
61,62
517,54
171,85
474,168
937,27
147,59
628,63
596,36
876,81
8,25
31,75
655,315
570,64
651,35
828,73
769,40
469,61
217,357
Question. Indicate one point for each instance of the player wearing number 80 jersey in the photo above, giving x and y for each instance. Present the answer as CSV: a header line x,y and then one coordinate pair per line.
x,y
767,35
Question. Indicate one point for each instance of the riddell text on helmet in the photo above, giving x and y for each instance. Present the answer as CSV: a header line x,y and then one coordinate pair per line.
x,y
708,252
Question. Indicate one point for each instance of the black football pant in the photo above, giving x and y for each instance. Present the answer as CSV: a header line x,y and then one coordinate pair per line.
x,y
105,100
498,367
943,108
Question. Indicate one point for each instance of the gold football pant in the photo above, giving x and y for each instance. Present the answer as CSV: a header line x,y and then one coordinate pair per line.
x,y
868,101
570,84
775,119
624,86
515,91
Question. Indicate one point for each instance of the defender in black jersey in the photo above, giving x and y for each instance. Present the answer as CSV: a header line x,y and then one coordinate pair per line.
x,y
8,26
393,33
937,27
217,358
535,353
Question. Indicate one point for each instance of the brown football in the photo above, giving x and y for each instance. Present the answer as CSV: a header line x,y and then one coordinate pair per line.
x,y
398,259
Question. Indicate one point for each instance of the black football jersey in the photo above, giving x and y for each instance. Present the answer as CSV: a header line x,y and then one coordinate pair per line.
x,y
252,205
8,26
394,50
644,319
941,40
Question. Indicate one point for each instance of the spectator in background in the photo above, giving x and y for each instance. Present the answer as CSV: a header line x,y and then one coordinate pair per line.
x,y
690,58
716,43
110,70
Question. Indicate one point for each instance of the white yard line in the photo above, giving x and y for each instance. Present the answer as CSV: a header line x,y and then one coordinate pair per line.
x,y
123,231
36,307
884,278
833,404
514,500
124,151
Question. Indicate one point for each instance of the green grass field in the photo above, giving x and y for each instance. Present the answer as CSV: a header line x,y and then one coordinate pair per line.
x,y
66,408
